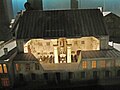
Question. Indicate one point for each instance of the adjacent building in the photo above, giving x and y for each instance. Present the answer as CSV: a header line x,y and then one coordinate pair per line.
x,y
112,21
63,46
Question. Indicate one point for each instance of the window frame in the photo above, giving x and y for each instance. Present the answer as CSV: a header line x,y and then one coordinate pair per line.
x,y
84,64
1,68
83,75
103,64
5,69
94,64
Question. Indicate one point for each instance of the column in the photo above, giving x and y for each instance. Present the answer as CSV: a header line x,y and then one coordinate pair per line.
x,y
55,54
68,54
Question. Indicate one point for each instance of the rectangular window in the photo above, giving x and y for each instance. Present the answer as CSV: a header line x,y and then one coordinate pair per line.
x,y
40,44
21,77
58,76
46,76
107,74
70,75
5,82
5,68
48,43
102,63
84,64
17,67
82,42
94,64
83,75
37,66
27,67
95,74
33,76
1,69
75,42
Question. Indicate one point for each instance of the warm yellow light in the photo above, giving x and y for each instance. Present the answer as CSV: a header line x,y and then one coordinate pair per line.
x,y
1,70
17,67
44,47
94,64
5,68
84,64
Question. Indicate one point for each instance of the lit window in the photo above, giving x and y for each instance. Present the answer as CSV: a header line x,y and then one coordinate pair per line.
x,y
84,64
93,64
82,42
102,63
1,70
5,68
27,67
37,66
17,67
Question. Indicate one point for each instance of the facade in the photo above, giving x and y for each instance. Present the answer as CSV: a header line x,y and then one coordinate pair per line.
x,y
112,22
6,68
64,46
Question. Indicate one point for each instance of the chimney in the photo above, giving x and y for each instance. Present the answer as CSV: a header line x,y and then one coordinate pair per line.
x,y
74,4
101,9
36,4
5,51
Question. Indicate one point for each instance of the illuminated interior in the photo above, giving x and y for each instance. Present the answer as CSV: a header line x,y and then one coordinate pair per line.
x,y
5,68
60,50
1,70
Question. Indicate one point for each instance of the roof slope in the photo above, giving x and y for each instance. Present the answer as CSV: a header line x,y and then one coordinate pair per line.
x,y
10,53
110,53
61,23
25,57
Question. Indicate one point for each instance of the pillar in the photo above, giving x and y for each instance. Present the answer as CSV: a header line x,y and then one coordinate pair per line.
x,y
55,54
68,54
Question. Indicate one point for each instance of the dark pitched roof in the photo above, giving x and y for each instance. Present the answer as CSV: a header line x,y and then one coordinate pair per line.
x,y
10,53
112,15
111,53
61,23
25,57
